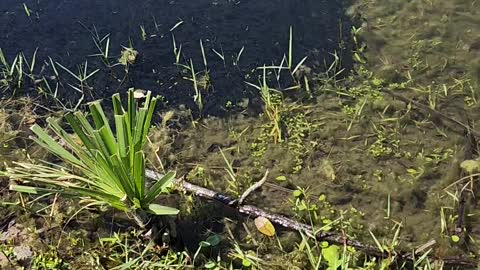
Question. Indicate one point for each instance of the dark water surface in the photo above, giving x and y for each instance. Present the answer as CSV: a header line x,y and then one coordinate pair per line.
x,y
63,31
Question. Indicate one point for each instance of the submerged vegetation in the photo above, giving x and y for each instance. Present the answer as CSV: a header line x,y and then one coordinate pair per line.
x,y
375,163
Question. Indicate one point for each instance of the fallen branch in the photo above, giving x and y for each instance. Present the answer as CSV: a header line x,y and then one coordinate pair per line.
x,y
292,224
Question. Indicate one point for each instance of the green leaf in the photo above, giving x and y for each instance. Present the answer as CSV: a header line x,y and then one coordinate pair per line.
x,y
121,175
139,174
246,263
455,238
332,255
122,137
470,166
117,105
50,144
148,119
109,140
297,193
161,210
214,239
32,190
139,132
158,187
76,126
76,147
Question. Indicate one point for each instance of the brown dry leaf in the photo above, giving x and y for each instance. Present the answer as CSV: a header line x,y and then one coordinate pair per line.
x,y
22,252
264,226
4,262
139,93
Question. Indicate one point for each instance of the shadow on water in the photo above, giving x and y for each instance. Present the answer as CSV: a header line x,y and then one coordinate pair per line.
x,y
63,30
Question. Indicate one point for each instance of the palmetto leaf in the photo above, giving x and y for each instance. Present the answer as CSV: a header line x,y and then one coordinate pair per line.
x,y
159,186
49,143
103,164
157,209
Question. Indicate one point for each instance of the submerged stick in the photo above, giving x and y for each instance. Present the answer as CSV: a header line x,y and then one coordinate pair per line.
x,y
470,144
435,112
292,224
470,150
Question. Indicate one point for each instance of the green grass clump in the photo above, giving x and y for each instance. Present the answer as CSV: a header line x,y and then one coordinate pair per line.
x,y
106,167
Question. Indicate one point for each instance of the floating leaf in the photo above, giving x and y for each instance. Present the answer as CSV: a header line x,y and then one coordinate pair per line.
x,y
327,170
455,238
411,171
281,178
470,166
297,193
214,239
264,226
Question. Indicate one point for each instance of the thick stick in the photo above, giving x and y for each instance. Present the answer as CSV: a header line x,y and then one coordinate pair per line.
x,y
291,224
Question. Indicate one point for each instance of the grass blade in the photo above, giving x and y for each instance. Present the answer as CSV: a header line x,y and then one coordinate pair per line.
x,y
158,187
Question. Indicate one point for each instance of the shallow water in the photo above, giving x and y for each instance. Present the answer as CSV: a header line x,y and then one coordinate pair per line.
x,y
374,159
63,31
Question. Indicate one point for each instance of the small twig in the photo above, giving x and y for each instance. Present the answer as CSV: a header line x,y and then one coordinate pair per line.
x,y
253,188
470,143
424,247
255,243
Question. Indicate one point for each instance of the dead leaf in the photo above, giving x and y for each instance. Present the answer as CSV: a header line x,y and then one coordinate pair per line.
x,y
139,93
264,226
4,262
22,252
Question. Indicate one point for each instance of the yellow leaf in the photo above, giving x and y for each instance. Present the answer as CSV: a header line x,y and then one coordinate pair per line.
x,y
264,226
470,166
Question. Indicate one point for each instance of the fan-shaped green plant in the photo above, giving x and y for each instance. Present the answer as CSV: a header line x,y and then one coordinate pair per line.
x,y
105,165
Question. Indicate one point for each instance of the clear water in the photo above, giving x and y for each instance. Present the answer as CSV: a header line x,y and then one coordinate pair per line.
x,y
63,30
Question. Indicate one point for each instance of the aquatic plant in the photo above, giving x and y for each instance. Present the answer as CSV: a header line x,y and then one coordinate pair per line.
x,y
11,74
103,50
271,106
106,167
197,98
177,51
128,57
81,78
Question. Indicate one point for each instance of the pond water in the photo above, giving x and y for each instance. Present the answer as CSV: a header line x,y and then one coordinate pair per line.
x,y
389,146
258,31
